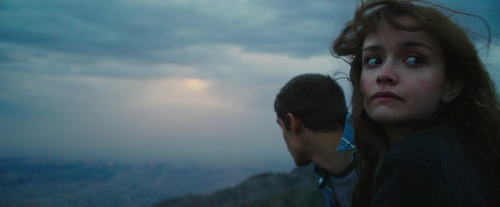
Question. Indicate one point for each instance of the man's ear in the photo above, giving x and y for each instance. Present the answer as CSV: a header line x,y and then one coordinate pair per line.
x,y
453,88
296,123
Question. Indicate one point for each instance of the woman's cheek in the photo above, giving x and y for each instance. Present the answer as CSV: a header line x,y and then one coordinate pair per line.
x,y
364,85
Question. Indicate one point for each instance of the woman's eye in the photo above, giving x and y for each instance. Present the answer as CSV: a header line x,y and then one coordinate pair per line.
x,y
414,60
373,61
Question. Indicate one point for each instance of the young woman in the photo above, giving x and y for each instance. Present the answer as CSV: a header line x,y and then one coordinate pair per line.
x,y
425,111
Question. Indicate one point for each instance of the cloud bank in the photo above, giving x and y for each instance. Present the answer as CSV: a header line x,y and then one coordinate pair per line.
x,y
190,80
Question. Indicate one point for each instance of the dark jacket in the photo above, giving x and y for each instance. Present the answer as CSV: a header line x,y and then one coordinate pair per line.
x,y
431,167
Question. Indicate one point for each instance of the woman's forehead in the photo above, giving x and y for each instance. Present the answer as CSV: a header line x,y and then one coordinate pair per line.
x,y
386,33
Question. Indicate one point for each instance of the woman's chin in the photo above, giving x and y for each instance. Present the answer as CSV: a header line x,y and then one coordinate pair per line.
x,y
385,117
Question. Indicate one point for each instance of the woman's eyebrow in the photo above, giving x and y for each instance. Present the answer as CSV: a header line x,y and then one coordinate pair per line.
x,y
404,45
373,48
415,44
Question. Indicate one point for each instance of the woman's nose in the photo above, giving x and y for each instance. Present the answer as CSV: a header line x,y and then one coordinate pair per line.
x,y
387,73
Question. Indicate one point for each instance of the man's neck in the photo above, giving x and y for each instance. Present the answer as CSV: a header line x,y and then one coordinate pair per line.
x,y
323,149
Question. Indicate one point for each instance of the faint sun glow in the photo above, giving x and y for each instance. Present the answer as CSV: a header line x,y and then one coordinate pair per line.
x,y
195,84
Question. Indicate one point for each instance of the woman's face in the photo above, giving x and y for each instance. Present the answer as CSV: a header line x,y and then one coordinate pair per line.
x,y
403,76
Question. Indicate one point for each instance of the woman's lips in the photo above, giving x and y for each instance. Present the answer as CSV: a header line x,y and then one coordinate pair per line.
x,y
385,96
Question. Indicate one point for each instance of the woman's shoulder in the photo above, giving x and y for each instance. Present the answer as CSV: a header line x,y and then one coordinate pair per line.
x,y
430,141
438,155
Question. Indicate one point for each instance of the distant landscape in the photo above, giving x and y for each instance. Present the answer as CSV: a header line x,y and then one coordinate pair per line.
x,y
52,182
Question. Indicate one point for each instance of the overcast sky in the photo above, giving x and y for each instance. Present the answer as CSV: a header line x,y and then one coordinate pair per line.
x,y
167,80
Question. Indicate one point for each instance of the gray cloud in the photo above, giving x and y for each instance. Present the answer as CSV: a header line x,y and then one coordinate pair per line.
x,y
136,32
105,78
149,32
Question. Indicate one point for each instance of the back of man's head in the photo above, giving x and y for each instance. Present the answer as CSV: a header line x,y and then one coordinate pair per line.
x,y
317,100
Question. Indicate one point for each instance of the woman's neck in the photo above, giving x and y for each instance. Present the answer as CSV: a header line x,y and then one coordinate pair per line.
x,y
395,133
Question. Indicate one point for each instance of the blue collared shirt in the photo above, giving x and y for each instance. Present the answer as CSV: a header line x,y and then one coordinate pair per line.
x,y
347,142
337,189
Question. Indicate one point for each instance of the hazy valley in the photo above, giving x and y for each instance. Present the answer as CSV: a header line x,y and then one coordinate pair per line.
x,y
48,182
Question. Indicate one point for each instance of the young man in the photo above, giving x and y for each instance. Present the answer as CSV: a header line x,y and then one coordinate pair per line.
x,y
312,113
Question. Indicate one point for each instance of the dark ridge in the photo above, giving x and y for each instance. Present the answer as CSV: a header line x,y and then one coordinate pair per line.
x,y
299,188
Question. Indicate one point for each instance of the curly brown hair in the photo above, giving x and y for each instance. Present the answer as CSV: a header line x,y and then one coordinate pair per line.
x,y
476,109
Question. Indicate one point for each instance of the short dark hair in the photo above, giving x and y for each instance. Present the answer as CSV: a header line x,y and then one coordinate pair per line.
x,y
317,100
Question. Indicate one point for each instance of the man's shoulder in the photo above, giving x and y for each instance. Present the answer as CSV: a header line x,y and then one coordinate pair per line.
x,y
324,175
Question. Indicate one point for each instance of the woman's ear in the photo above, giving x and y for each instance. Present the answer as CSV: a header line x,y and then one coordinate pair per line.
x,y
453,88
296,123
